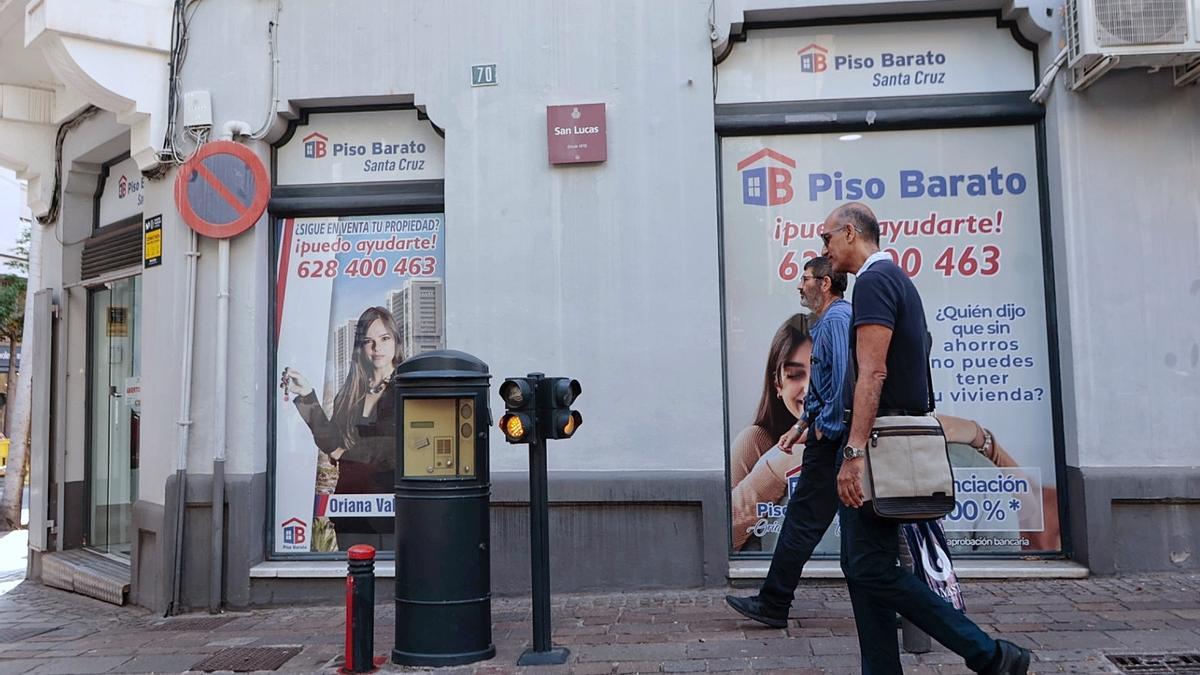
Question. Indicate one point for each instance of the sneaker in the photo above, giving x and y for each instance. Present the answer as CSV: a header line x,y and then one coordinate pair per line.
x,y
752,608
1010,658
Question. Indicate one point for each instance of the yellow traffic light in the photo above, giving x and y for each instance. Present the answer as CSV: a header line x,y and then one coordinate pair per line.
x,y
513,427
573,422
516,427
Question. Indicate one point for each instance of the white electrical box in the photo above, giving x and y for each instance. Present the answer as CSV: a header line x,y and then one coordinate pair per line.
x,y
197,109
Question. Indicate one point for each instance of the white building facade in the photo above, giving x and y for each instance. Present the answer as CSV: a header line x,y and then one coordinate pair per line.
x,y
413,179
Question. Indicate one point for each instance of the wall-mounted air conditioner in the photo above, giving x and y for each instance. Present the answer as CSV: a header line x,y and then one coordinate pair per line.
x,y
1106,34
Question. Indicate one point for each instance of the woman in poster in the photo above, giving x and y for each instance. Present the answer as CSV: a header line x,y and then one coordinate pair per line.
x,y
759,470
359,438
785,383
971,445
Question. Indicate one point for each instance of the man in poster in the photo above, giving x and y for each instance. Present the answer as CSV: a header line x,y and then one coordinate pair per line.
x,y
888,343
813,505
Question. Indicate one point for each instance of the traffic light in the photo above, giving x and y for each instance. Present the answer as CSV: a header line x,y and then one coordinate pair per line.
x,y
538,408
556,396
519,422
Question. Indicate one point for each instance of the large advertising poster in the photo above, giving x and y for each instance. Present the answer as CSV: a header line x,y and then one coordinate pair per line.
x,y
355,296
959,212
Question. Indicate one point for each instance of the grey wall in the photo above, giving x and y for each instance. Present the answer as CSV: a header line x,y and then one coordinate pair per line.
x,y
649,529
619,258
244,545
1122,157
1127,151
643,530
146,563
1136,519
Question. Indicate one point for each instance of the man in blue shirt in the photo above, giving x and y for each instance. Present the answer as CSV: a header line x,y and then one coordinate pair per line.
x,y
888,346
814,501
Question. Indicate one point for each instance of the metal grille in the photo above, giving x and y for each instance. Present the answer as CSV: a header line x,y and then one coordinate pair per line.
x,y
114,249
202,623
1140,22
1073,29
86,573
247,659
1156,663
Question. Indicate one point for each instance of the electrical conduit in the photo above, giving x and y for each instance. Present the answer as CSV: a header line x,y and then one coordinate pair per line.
x,y
185,422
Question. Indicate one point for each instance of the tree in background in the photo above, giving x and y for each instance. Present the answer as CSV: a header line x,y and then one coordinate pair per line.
x,y
13,305
12,310
12,323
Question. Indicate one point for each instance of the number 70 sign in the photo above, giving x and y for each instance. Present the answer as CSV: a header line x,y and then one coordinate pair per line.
x,y
483,75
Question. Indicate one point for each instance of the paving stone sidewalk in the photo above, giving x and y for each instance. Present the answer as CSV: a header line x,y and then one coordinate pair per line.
x,y
1071,625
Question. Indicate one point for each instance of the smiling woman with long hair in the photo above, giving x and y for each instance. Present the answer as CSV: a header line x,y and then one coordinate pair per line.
x,y
359,438
785,383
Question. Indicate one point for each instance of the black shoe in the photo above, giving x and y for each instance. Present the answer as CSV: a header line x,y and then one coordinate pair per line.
x,y
752,608
1009,659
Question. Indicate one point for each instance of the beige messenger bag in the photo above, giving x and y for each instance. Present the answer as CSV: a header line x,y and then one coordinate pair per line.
x,y
908,476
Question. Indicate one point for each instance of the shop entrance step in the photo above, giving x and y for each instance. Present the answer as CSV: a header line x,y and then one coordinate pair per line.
x,y
87,573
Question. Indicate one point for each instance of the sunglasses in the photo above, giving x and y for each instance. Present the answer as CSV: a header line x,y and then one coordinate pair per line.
x,y
826,236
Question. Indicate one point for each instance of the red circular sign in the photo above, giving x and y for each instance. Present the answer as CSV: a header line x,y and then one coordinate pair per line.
x,y
222,190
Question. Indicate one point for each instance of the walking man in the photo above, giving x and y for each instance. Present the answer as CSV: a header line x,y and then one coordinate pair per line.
x,y
887,341
814,501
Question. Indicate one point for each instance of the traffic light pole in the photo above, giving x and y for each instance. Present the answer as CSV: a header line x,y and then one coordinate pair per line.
x,y
543,652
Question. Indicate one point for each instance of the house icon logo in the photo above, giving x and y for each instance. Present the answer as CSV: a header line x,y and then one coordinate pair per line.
x,y
295,531
793,480
314,145
122,187
813,59
766,185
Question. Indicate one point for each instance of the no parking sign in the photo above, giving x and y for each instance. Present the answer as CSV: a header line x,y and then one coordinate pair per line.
x,y
222,190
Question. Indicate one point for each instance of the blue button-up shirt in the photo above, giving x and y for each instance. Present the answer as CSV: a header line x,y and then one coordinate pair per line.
x,y
830,358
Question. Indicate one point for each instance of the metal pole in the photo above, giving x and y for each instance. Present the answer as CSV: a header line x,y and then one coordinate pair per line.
x,y
538,515
219,423
360,610
542,652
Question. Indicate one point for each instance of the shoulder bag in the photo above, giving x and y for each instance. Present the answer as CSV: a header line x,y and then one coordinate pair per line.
x,y
908,477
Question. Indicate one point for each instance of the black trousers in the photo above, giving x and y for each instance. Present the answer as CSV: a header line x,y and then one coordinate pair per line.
x,y
880,588
809,513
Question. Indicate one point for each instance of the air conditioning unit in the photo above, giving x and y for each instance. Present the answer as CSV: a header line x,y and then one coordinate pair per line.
x,y
1106,34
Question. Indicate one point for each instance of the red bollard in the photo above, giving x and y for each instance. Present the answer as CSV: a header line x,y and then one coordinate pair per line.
x,y
360,610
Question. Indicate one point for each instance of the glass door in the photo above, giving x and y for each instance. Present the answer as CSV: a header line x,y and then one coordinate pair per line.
x,y
115,365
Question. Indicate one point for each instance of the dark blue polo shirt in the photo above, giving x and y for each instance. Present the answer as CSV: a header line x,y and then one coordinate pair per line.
x,y
885,296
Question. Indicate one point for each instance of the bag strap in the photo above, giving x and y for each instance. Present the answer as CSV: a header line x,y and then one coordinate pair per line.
x,y
928,368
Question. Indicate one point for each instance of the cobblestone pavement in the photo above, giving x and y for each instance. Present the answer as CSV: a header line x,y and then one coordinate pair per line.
x,y
1070,625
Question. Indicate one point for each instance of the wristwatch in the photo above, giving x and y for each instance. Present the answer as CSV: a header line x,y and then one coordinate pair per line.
x,y
851,452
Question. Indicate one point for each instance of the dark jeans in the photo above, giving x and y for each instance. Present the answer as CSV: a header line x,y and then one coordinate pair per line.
x,y
880,587
809,512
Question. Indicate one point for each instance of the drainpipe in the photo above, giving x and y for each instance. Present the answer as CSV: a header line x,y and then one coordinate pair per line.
x,y
185,422
220,410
